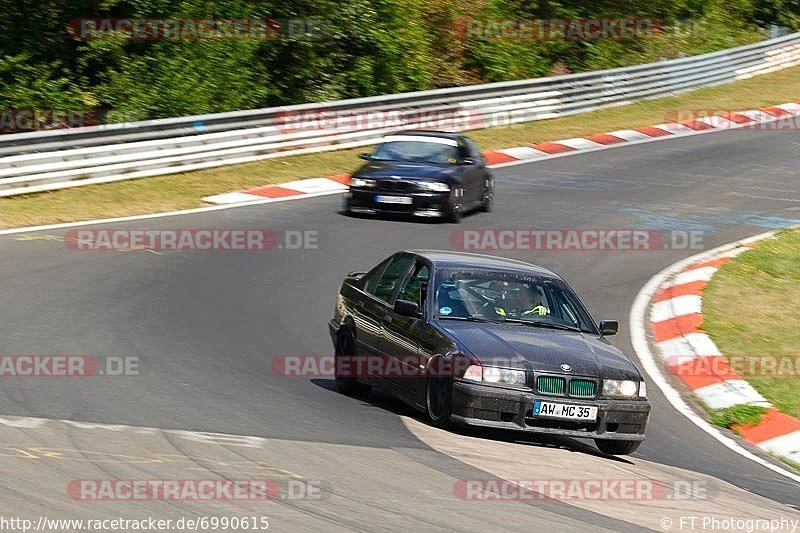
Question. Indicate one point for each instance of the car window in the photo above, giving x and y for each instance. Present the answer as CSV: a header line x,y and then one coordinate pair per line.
x,y
370,280
473,150
463,151
500,295
418,150
416,285
394,272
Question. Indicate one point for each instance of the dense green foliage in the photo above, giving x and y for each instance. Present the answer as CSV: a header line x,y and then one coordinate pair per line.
x,y
364,47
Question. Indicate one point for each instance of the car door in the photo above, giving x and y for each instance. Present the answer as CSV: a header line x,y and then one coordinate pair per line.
x,y
401,333
472,174
379,306
365,310
483,177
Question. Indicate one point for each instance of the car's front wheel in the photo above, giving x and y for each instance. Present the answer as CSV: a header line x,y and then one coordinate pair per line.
x,y
488,196
345,346
455,205
617,447
438,396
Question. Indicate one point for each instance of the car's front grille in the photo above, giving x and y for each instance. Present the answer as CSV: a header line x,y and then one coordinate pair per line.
x,y
582,388
551,385
396,185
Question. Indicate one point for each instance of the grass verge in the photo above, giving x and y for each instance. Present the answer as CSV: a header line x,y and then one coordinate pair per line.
x,y
750,309
738,415
185,191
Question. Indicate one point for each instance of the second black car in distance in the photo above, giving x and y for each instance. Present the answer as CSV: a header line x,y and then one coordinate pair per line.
x,y
491,342
422,174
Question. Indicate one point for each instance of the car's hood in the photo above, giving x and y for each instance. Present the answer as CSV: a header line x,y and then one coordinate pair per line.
x,y
531,348
421,171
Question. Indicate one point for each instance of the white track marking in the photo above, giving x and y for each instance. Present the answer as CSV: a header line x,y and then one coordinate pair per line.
x,y
729,393
524,152
638,325
687,304
689,346
689,276
787,446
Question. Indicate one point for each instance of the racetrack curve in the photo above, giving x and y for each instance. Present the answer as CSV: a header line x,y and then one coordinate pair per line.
x,y
208,324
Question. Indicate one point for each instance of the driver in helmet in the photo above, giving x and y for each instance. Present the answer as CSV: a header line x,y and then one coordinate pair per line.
x,y
532,303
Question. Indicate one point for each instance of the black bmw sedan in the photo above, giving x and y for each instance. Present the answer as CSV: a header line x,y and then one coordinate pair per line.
x,y
423,174
487,341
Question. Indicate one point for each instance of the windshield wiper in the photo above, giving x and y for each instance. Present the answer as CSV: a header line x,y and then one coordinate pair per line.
x,y
469,319
544,324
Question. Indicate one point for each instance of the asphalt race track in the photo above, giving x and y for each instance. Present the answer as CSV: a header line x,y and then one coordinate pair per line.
x,y
208,324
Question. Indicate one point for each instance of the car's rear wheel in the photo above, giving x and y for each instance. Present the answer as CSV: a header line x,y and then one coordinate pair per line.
x,y
455,205
617,447
438,399
345,345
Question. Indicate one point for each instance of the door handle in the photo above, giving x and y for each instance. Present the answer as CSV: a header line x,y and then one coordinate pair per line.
x,y
360,304
388,319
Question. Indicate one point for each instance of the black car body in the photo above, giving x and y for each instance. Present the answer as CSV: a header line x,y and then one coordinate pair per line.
x,y
489,364
424,174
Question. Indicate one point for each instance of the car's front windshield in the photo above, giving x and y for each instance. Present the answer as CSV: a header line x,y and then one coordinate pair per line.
x,y
509,296
417,149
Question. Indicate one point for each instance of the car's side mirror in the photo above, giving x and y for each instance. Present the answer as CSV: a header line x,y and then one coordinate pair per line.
x,y
609,327
406,308
467,161
366,156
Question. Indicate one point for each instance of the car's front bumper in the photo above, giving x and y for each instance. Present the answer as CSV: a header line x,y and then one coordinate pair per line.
x,y
476,404
422,204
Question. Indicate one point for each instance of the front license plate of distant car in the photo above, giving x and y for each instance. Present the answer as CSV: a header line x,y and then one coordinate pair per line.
x,y
564,411
403,200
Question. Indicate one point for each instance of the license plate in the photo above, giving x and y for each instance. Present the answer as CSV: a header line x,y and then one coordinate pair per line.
x,y
404,200
564,410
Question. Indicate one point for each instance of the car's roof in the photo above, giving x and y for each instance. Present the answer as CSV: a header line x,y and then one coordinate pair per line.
x,y
447,258
430,133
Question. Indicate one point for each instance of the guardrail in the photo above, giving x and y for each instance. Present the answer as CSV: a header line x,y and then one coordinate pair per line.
x,y
56,159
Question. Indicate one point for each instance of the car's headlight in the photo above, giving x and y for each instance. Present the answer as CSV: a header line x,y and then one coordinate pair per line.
x,y
434,186
623,388
361,182
493,374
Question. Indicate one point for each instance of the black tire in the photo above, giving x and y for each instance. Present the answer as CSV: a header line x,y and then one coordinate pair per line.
x,y
617,447
345,345
455,206
438,399
488,197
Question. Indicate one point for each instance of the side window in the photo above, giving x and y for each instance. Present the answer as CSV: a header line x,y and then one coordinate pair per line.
x,y
392,275
474,151
463,148
416,286
371,278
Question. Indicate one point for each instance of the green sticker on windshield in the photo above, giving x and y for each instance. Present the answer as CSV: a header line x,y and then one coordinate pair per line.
x,y
445,310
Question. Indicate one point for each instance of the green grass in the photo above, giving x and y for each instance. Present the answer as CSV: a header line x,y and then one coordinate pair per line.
x,y
791,463
738,415
185,191
751,309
